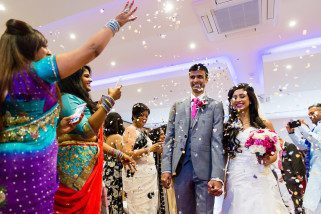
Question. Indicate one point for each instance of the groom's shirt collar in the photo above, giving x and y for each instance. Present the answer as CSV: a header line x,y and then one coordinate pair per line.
x,y
201,97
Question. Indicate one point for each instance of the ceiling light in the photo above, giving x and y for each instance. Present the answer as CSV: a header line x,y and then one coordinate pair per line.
x,y
192,46
292,23
139,90
2,7
72,36
163,36
113,63
308,65
289,67
168,7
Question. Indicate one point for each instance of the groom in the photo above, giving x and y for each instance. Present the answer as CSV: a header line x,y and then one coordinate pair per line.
x,y
193,153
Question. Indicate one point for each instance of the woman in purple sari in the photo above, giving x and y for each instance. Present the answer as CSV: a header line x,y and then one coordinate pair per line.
x,y
29,111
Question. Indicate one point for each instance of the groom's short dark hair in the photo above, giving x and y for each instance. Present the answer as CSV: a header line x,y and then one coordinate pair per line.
x,y
198,67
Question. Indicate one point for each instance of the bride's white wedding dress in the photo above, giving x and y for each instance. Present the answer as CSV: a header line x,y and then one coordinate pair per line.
x,y
251,187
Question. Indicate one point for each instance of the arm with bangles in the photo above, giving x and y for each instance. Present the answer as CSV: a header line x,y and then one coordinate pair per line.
x,y
112,144
107,102
130,137
90,124
71,61
124,158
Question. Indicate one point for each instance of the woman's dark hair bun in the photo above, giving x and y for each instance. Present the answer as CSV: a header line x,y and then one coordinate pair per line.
x,y
17,27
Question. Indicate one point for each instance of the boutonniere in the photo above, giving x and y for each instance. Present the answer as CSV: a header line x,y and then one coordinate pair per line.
x,y
202,104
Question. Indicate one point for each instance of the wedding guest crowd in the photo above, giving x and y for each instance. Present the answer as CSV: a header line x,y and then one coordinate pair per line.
x,y
29,115
310,139
61,152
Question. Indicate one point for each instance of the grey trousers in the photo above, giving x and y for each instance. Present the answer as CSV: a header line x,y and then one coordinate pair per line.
x,y
191,192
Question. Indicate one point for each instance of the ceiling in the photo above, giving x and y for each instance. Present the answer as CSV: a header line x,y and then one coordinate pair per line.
x,y
159,40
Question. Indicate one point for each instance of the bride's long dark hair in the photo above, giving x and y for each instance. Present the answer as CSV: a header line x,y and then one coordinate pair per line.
x,y
231,144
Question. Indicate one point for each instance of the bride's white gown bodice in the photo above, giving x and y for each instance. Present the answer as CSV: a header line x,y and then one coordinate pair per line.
x,y
251,187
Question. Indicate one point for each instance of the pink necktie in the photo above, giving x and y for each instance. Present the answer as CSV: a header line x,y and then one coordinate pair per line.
x,y
194,107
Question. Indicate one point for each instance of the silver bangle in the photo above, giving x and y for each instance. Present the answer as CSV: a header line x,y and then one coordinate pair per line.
x,y
113,25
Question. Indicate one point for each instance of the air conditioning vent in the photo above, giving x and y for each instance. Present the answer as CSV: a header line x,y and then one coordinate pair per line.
x,y
222,1
237,17
270,9
224,18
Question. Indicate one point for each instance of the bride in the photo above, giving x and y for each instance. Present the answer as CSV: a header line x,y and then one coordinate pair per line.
x,y
251,186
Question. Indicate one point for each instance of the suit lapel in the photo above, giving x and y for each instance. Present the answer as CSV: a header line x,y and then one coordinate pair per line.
x,y
188,112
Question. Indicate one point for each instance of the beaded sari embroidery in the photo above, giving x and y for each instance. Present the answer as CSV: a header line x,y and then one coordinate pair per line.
x,y
28,147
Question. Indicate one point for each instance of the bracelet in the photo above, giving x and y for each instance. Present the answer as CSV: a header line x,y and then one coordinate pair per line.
x,y
107,103
120,155
117,154
113,25
109,100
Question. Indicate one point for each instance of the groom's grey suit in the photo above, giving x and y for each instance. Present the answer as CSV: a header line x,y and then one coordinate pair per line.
x,y
193,153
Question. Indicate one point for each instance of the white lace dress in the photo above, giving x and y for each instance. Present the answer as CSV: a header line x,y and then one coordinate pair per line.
x,y
251,187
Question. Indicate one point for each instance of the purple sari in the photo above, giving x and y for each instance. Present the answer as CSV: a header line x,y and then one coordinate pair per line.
x,y
28,146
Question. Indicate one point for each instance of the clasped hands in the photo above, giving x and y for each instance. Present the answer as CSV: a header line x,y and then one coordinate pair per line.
x,y
214,187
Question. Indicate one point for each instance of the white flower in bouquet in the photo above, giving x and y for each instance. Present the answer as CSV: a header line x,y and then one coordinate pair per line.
x,y
257,149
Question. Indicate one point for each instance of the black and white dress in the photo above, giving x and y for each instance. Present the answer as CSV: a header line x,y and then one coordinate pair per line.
x,y
141,187
112,177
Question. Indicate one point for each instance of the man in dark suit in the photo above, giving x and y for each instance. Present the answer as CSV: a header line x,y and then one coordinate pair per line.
x,y
193,151
294,173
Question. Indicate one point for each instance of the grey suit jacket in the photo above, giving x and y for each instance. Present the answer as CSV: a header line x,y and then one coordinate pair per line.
x,y
206,139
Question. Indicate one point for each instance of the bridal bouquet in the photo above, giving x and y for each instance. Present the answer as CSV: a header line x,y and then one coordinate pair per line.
x,y
262,142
